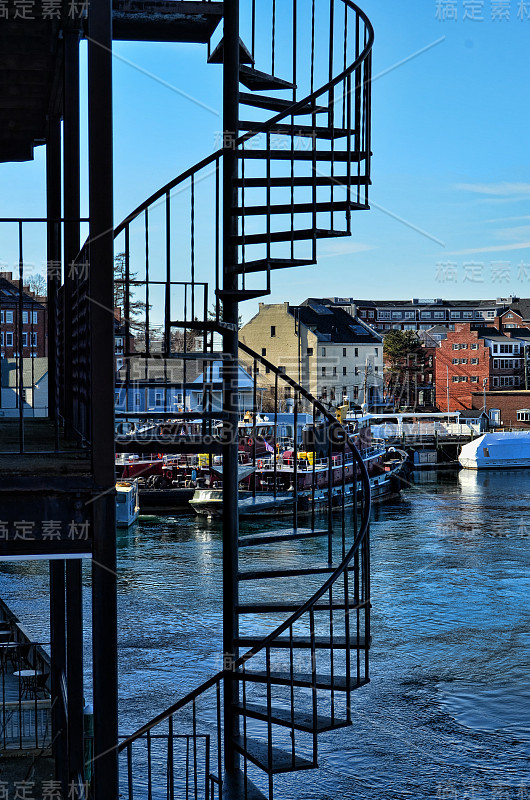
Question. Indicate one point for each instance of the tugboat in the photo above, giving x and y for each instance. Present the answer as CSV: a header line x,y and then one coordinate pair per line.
x,y
127,503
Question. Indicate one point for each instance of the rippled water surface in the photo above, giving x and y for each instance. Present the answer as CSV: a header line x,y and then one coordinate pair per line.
x,y
447,713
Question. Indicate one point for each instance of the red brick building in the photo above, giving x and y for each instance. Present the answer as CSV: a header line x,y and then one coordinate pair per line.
x,y
505,409
30,341
472,358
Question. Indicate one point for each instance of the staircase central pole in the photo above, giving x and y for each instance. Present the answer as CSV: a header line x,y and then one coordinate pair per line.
x,y
230,375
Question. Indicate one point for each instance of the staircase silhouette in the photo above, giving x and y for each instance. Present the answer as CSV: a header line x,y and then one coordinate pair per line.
x,y
302,609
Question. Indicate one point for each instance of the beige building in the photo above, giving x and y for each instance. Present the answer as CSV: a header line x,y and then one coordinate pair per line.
x,y
331,354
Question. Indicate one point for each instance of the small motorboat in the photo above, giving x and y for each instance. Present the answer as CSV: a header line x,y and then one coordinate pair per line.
x,y
127,503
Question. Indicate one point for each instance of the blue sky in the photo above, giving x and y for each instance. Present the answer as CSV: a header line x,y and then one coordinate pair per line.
x,y
451,177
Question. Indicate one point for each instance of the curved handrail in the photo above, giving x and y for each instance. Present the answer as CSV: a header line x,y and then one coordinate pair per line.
x,y
266,125
269,639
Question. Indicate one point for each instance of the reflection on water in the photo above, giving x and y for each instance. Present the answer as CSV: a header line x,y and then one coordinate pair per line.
x,y
447,712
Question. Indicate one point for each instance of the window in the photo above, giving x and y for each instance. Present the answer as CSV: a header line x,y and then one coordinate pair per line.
x,y
35,317
334,371
377,351
344,352
456,360
410,315
137,399
356,352
282,369
426,314
267,370
383,314
371,314
509,316
439,315
356,370
323,351
159,399
273,331
376,369
474,346
324,392
468,315
263,351
455,314
474,379
355,392
9,339
463,346
332,393
309,351
396,314
463,360
33,340
456,347
323,371
474,361
1,316
24,339
523,415
9,317
25,317
455,378
344,371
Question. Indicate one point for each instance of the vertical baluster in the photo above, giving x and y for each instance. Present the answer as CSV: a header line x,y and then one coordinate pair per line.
x,y
291,684
345,97
219,739
149,768
170,761
217,235
295,48
331,105
187,777
314,694
314,467
254,415
195,765
330,431
167,311
147,323
126,307
275,454
269,713
273,60
243,216
130,779
269,213
295,465
332,652
20,349
192,247
253,34
206,765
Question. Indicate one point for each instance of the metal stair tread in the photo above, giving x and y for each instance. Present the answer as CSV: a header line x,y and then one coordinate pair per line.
x,y
235,787
258,81
285,535
278,104
338,156
263,264
303,680
281,761
303,642
285,129
286,181
242,294
299,208
217,54
275,606
288,572
288,236
300,720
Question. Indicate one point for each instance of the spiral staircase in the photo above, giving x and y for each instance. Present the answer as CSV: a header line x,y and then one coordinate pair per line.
x,y
294,164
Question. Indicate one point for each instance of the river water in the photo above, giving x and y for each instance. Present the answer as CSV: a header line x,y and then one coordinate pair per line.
x,y
447,712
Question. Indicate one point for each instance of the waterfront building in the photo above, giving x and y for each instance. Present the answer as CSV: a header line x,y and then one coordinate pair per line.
x,y
506,408
23,324
333,356
31,387
421,314
473,358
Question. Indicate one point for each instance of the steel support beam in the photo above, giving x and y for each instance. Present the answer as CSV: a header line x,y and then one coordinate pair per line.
x,y
230,374
101,256
71,170
54,212
74,669
58,669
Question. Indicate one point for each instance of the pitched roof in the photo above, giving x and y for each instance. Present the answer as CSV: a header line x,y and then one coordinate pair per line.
x,y
333,324
9,294
34,370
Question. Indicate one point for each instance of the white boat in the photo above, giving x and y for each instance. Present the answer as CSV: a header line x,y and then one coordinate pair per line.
x,y
127,503
497,451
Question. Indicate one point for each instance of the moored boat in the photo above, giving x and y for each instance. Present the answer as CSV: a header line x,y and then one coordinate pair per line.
x,y
503,450
127,503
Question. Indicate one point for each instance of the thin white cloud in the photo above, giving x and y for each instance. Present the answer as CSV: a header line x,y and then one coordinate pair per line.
x,y
507,219
345,249
501,189
491,249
